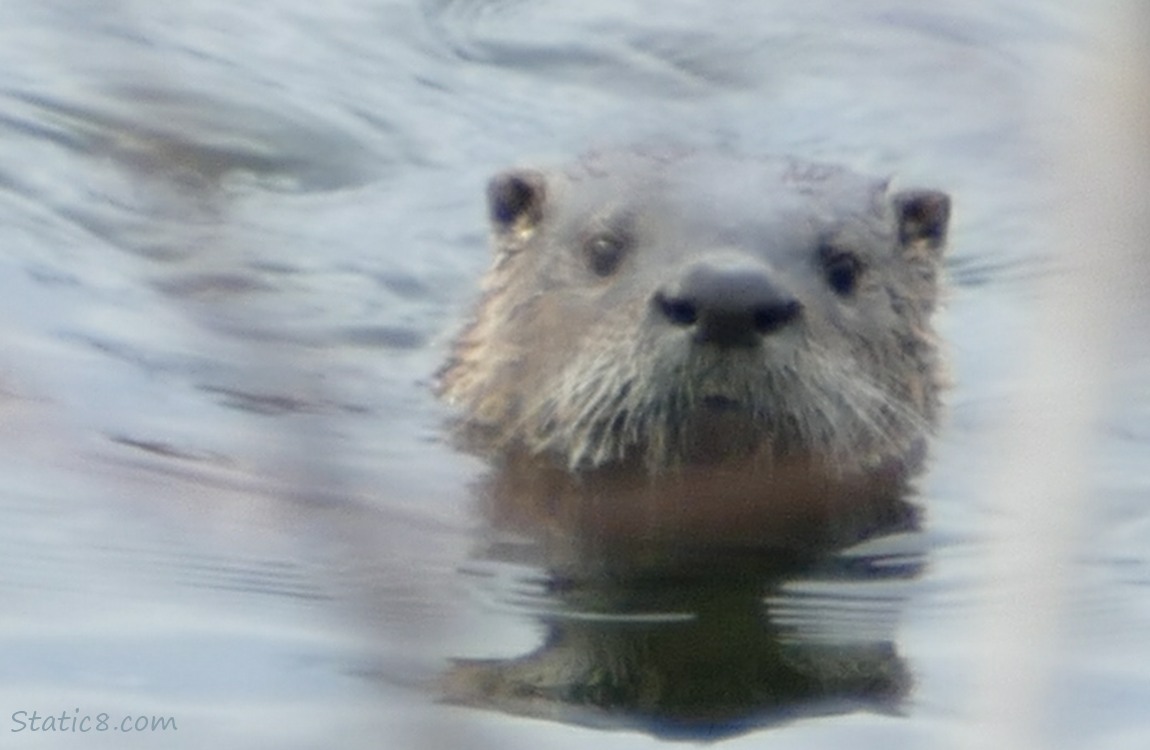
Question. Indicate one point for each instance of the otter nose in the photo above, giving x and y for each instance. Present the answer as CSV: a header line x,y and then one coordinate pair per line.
x,y
728,304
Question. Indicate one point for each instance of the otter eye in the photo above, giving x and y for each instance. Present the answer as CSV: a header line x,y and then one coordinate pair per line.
x,y
604,251
842,270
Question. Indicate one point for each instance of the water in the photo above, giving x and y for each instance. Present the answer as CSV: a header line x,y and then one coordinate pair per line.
x,y
237,239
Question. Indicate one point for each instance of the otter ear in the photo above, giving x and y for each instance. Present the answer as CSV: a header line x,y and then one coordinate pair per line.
x,y
515,199
923,218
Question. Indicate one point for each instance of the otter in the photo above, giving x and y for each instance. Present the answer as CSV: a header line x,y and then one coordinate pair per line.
x,y
676,343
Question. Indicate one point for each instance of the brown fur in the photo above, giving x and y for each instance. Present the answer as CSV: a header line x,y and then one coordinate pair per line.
x,y
598,403
546,359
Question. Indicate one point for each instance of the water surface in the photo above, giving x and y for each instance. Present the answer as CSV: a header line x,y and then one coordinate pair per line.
x,y
237,239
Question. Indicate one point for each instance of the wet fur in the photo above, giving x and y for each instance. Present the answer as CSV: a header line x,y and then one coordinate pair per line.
x,y
621,391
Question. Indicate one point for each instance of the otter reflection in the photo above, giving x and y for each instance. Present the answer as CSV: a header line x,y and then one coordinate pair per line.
x,y
695,645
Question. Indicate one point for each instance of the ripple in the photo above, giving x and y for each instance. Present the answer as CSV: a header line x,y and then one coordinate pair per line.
x,y
208,136
626,52
383,337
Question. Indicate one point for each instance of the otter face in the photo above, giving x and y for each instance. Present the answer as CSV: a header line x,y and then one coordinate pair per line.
x,y
684,309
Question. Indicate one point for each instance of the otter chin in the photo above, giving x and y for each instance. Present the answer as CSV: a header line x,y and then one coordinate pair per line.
x,y
675,341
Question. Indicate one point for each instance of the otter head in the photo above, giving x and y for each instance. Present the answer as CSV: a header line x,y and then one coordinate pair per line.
x,y
683,309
